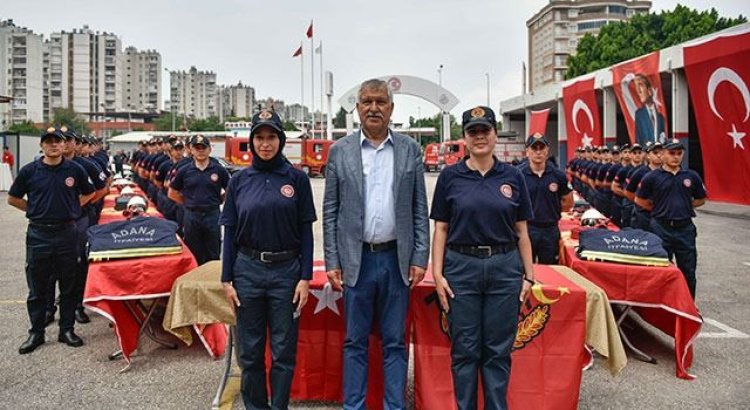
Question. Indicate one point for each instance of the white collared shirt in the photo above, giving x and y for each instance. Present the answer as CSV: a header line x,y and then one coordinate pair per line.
x,y
380,210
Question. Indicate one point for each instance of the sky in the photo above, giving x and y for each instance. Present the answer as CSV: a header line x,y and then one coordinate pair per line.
x,y
253,42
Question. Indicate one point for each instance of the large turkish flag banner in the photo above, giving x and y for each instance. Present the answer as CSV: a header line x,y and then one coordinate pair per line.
x,y
538,122
637,85
581,115
718,74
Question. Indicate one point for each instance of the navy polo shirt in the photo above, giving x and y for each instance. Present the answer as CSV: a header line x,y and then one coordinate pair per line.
x,y
481,210
635,176
52,191
611,172
269,208
158,160
163,171
672,194
545,193
102,158
96,175
201,188
601,174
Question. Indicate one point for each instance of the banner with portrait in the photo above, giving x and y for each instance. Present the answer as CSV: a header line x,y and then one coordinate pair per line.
x,y
637,85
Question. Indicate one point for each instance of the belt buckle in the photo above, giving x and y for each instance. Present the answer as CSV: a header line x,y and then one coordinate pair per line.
x,y
486,248
263,257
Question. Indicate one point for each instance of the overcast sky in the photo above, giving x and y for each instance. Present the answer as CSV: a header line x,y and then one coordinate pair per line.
x,y
253,41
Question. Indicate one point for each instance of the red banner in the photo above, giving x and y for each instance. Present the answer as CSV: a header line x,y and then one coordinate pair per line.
x,y
718,74
637,85
538,122
581,115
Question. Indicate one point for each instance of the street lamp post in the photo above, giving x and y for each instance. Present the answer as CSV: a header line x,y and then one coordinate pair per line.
x,y
442,119
488,88
171,99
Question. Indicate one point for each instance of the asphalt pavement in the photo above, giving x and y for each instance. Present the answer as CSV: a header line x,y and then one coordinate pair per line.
x,y
58,376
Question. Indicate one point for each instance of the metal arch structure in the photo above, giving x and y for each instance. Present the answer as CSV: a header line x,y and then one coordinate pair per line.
x,y
407,85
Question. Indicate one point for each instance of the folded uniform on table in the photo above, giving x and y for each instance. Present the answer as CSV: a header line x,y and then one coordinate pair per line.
x,y
631,246
137,237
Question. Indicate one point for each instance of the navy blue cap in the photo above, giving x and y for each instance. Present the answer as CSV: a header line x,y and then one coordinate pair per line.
x,y
674,144
266,118
54,132
536,138
636,146
201,139
615,149
479,115
650,146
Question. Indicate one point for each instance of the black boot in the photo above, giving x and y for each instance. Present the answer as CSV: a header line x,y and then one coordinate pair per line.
x,y
49,318
81,316
35,340
70,338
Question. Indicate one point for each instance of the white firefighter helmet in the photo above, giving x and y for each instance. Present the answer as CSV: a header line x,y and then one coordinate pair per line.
x,y
592,217
137,205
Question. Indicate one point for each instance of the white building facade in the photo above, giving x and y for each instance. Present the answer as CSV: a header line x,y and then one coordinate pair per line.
x,y
194,93
21,69
141,82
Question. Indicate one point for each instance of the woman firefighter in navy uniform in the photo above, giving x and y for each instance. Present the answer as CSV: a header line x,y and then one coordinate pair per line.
x,y
267,260
481,260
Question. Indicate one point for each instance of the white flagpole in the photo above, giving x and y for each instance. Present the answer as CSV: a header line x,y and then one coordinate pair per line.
x,y
302,82
312,78
321,88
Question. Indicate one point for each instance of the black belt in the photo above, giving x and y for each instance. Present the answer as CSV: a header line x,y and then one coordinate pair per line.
x,y
543,224
59,226
674,223
269,257
482,251
379,247
202,208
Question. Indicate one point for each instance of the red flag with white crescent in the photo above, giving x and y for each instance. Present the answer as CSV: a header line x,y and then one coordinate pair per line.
x,y
538,122
718,74
581,115
637,85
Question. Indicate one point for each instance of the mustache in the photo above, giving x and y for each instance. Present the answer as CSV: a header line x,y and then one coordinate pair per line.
x,y
374,114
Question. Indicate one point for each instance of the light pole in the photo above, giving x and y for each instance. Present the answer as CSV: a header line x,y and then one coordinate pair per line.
x,y
171,98
488,88
440,83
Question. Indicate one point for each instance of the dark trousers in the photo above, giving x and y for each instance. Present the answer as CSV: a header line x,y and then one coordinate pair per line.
x,y
483,320
49,251
266,293
203,234
680,244
82,268
627,213
166,206
545,244
379,294
641,219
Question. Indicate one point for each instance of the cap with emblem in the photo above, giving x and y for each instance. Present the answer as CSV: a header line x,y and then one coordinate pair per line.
x,y
624,147
615,149
54,132
68,132
674,144
480,115
177,144
651,146
603,149
537,138
266,118
636,146
201,139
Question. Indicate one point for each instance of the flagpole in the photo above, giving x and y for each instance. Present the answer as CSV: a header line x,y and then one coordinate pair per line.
x,y
321,89
302,83
312,77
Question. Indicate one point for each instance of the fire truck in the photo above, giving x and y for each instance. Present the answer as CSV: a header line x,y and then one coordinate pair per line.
x,y
451,152
431,157
308,155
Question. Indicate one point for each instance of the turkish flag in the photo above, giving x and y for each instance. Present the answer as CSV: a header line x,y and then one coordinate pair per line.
x,y
637,85
538,123
581,115
298,52
718,74
310,30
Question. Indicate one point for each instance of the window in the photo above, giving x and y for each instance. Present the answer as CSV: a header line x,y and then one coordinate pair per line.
x,y
591,25
618,10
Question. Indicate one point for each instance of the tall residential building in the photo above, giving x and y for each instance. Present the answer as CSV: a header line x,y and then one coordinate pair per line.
x,y
236,101
141,82
555,30
84,71
194,93
297,113
21,67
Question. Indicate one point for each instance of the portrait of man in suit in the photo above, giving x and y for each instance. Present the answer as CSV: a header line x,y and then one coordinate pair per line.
x,y
649,123
376,240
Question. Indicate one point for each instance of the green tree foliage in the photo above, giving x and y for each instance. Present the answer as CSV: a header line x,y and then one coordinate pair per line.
x,y
340,120
208,124
25,128
66,116
164,122
289,126
643,34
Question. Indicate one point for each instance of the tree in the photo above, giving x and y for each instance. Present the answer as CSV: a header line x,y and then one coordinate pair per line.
x,y
66,116
339,121
164,122
643,34
208,124
289,126
25,128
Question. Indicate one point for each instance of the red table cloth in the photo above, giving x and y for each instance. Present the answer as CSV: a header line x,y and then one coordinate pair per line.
x,y
660,295
549,352
113,283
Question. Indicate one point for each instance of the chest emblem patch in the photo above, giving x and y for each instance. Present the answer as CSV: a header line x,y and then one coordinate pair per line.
x,y
70,181
214,177
287,191
687,182
553,187
506,190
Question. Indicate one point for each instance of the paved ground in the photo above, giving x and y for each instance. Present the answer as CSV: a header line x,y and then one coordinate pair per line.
x,y
56,375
